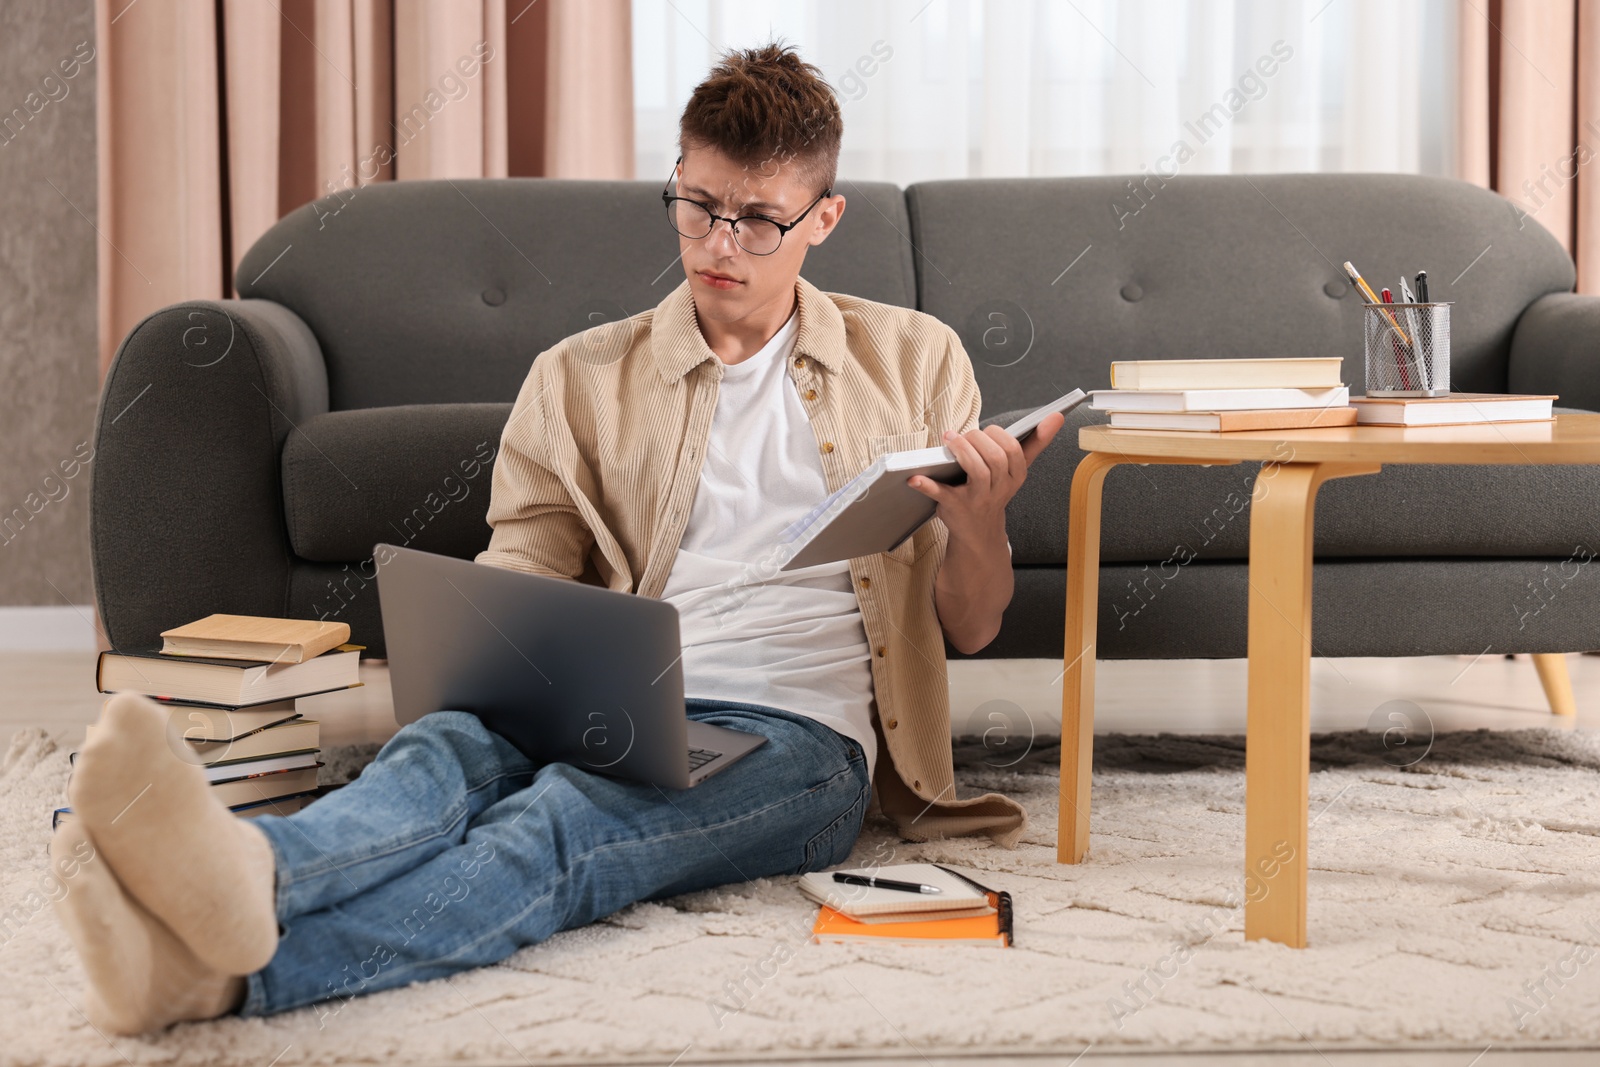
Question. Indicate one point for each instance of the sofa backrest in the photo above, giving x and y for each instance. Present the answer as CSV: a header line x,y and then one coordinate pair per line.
x,y
445,291
1048,280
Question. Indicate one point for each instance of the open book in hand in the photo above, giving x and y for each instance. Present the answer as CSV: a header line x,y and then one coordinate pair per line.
x,y
877,510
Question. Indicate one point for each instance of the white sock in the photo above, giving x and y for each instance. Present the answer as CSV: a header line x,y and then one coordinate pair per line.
x,y
209,875
142,978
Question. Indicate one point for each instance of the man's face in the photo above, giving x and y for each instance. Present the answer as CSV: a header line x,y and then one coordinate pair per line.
x,y
729,283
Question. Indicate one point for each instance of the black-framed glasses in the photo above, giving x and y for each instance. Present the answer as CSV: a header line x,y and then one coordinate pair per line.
x,y
756,234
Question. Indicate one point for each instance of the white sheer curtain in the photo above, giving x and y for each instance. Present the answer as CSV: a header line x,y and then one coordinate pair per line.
x,y
1011,88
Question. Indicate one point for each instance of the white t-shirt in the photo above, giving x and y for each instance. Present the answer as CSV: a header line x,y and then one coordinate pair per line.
x,y
794,639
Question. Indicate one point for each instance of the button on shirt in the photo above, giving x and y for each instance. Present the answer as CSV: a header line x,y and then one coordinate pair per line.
x,y
751,632
602,456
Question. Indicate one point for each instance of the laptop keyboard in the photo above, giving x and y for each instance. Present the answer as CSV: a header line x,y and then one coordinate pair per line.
x,y
699,757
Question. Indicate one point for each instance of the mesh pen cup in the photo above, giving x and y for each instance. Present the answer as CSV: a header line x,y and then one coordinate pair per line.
x,y
1407,349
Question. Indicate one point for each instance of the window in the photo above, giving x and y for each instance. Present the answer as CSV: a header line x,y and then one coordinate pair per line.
x,y
1010,88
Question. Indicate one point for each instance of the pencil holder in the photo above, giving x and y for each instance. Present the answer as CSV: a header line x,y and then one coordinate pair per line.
x,y
1407,349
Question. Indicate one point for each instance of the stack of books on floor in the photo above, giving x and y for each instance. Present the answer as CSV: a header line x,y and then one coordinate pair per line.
x,y
230,684
895,910
1226,394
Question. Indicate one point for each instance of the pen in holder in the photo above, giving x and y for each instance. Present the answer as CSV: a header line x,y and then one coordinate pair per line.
x,y
1408,349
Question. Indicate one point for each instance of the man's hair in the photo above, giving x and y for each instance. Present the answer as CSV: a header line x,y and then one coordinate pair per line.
x,y
766,108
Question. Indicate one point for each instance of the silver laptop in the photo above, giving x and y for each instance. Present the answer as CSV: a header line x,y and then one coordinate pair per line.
x,y
563,670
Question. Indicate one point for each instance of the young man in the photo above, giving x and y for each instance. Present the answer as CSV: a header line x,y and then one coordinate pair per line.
x,y
660,455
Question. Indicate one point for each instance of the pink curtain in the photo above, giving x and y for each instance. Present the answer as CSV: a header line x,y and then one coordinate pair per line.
x,y
1530,115
216,120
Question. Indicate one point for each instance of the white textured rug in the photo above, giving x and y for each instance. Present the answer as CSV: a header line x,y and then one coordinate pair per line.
x,y
1453,902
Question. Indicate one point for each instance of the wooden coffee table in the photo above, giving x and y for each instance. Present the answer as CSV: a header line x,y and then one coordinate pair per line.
x,y
1278,745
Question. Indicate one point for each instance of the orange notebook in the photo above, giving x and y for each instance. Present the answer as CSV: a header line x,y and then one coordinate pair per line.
x,y
980,930
993,929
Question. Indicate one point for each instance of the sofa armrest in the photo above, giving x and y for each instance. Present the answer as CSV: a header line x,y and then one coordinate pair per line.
x,y
186,510
1553,350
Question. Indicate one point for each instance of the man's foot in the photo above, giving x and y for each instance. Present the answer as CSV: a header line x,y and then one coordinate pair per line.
x,y
207,874
142,978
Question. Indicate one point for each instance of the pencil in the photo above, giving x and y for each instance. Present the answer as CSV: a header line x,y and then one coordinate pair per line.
x,y
1372,298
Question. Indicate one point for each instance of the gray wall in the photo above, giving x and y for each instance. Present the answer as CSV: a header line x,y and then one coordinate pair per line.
x,y
49,377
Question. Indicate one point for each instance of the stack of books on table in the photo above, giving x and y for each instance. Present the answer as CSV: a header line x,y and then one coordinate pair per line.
x,y
230,684
895,911
1226,394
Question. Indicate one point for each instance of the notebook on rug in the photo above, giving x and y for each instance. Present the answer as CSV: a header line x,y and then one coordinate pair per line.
x,y
859,900
992,929
963,912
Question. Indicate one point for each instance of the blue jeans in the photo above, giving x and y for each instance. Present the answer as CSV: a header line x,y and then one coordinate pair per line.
x,y
452,850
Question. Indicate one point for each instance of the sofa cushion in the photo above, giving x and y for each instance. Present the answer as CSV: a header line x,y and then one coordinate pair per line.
x,y
419,475
445,291
416,475
1159,512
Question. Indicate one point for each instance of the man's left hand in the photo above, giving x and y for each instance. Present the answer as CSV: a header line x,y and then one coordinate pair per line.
x,y
996,464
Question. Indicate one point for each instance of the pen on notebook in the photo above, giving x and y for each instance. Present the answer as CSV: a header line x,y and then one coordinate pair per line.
x,y
885,883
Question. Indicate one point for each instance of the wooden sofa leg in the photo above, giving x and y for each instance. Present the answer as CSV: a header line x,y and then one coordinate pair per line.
x,y
1552,668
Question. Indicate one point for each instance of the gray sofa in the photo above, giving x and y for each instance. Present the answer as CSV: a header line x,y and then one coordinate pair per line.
x,y
249,453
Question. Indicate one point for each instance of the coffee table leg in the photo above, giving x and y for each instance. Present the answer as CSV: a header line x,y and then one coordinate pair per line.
x,y
1077,674
1278,737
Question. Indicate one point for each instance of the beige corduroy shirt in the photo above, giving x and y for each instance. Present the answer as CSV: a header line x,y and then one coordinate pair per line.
x,y
600,459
